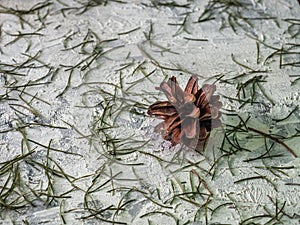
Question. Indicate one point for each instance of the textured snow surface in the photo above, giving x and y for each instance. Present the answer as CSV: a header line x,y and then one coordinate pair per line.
x,y
76,143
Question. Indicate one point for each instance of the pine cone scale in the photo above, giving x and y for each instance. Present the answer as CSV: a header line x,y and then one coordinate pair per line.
x,y
162,110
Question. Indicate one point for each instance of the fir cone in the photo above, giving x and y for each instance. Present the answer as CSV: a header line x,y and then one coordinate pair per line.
x,y
188,115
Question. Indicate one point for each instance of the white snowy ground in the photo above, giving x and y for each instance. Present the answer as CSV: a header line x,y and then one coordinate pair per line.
x,y
76,144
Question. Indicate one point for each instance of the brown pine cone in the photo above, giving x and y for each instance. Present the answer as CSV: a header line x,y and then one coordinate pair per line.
x,y
188,115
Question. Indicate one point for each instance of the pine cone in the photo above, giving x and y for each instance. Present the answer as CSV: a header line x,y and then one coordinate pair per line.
x,y
188,115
